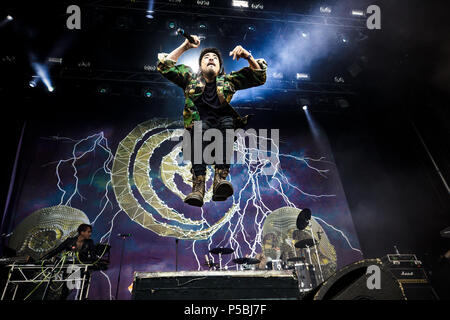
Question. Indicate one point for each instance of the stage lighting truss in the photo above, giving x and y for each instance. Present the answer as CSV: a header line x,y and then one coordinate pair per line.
x,y
302,76
239,3
55,60
325,10
8,59
203,3
357,13
253,9
257,5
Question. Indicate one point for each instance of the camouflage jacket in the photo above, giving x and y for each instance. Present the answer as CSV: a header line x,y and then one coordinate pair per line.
x,y
193,85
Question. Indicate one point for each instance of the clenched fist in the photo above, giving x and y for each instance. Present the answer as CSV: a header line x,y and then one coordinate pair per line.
x,y
189,45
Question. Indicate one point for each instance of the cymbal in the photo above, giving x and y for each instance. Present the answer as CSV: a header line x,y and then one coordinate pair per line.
x,y
296,259
305,243
303,219
246,261
221,251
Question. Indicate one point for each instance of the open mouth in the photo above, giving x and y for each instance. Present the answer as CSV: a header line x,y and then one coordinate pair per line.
x,y
211,64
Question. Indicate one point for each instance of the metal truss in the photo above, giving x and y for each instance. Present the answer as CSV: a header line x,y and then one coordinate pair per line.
x,y
246,15
153,78
37,274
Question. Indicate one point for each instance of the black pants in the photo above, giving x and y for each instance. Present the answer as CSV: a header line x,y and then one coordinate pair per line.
x,y
221,124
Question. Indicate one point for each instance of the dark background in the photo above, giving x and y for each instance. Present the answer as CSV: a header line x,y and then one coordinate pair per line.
x,y
393,190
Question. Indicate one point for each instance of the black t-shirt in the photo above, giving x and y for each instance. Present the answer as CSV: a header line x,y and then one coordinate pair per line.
x,y
209,106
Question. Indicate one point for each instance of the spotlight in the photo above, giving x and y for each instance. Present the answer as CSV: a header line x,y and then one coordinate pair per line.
x,y
149,14
32,83
358,13
325,10
103,89
302,76
239,3
9,18
51,89
305,108
55,60
343,38
147,93
342,103
42,72
252,28
171,25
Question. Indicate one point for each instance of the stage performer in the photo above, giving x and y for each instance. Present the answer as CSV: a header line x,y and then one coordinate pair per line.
x,y
81,243
207,99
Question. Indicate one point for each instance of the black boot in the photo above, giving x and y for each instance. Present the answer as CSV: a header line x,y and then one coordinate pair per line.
x,y
195,198
222,189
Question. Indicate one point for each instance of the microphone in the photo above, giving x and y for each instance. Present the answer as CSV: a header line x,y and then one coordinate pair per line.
x,y
124,235
181,32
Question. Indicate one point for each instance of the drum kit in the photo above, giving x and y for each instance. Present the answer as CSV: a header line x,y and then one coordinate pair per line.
x,y
245,263
303,266
308,278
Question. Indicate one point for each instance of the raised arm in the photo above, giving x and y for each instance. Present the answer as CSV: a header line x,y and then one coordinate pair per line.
x,y
178,74
253,75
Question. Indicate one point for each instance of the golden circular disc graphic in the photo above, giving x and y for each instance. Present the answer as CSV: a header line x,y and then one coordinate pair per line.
x,y
158,131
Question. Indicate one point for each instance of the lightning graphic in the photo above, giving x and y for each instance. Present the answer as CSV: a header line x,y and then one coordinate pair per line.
x,y
82,149
257,184
256,180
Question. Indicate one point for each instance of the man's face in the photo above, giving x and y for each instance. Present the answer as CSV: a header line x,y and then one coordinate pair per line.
x,y
210,65
87,233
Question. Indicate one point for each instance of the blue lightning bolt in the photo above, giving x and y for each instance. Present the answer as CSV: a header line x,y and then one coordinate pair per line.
x,y
278,183
97,141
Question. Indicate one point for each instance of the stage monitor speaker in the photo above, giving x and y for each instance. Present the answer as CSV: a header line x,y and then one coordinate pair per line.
x,y
351,283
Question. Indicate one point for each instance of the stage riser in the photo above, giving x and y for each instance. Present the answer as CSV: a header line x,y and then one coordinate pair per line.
x,y
215,288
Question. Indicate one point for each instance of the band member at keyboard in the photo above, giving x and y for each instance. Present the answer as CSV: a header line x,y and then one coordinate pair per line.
x,y
81,244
